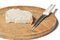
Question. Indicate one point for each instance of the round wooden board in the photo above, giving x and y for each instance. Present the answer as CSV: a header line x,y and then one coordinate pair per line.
x,y
12,30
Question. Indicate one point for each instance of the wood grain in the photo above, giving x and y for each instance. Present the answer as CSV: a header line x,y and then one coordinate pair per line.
x,y
12,30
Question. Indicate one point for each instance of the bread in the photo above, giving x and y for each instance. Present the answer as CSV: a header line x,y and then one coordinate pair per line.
x,y
18,16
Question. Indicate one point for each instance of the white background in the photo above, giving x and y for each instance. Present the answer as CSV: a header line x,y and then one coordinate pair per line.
x,y
55,35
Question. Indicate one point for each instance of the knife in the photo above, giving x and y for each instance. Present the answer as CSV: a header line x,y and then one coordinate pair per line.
x,y
45,14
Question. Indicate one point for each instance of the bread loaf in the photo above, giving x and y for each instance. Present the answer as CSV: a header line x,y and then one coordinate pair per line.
x,y
18,16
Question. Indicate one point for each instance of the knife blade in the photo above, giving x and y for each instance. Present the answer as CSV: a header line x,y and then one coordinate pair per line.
x,y
45,14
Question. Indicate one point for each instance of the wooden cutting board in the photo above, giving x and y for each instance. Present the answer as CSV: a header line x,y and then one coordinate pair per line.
x,y
17,31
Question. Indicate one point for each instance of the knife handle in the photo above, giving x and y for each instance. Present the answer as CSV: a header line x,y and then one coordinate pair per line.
x,y
48,10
